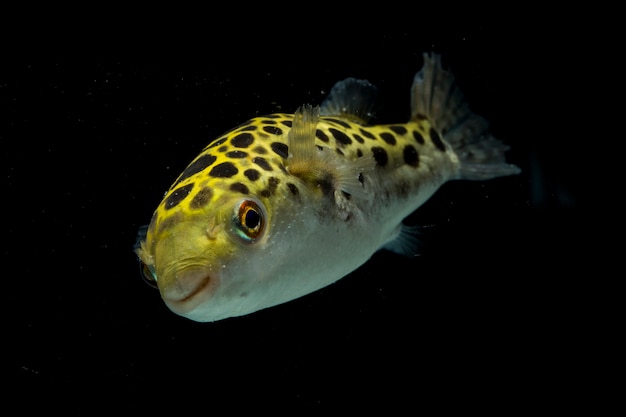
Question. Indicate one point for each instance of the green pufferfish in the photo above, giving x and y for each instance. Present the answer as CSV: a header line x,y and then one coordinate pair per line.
x,y
286,204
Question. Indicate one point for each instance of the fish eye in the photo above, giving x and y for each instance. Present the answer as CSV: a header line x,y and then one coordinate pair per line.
x,y
148,275
249,220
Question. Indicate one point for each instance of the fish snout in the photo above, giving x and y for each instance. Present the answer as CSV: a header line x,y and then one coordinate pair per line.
x,y
187,290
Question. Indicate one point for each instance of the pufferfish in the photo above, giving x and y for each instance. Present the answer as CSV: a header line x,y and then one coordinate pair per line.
x,y
286,204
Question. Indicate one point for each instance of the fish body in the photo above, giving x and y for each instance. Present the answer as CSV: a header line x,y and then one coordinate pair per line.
x,y
286,204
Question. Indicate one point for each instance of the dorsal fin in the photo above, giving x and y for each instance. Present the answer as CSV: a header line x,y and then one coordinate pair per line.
x,y
352,99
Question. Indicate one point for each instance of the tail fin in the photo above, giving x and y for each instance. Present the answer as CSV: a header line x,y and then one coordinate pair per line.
x,y
435,96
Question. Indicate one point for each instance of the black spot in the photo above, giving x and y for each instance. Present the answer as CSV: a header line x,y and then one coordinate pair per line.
x,y
292,187
359,153
252,174
217,143
321,136
248,128
272,183
196,166
339,122
326,183
262,163
400,130
177,196
273,130
434,136
236,154
341,138
269,122
380,155
239,187
225,169
260,150
280,149
169,222
242,140
273,116
388,137
286,122
418,137
411,156
222,148
358,138
367,134
201,198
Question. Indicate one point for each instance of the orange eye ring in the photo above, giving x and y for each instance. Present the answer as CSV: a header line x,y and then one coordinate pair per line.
x,y
249,220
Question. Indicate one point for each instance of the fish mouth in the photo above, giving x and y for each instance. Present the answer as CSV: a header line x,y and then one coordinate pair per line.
x,y
187,290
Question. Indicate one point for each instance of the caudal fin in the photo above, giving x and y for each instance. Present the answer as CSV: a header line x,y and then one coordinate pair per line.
x,y
435,96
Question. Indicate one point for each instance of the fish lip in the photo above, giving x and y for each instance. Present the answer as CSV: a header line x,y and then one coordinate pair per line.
x,y
188,290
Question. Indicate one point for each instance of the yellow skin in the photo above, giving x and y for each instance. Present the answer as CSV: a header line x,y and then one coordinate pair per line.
x,y
286,204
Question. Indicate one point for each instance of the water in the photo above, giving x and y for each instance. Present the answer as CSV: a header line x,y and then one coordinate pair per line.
x,y
91,145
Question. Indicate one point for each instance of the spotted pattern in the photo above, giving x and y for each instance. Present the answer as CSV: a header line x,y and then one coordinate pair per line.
x,y
280,149
399,130
260,161
388,138
293,188
341,138
246,160
252,174
236,154
321,136
380,155
169,221
242,140
260,150
411,156
177,196
434,137
367,134
418,137
239,187
272,183
201,198
326,184
273,130
224,170
196,166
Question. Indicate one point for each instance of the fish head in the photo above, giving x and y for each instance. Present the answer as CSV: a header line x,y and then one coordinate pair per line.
x,y
206,263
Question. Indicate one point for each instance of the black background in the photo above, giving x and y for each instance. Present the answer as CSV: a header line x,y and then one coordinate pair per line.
x,y
94,133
